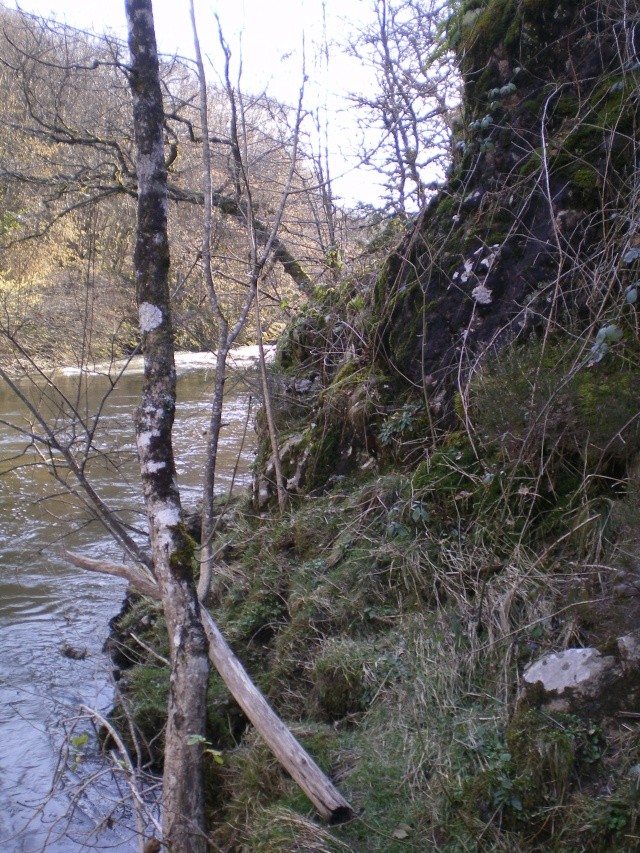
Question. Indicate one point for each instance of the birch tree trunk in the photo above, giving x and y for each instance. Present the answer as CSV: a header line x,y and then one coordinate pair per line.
x,y
172,550
329,802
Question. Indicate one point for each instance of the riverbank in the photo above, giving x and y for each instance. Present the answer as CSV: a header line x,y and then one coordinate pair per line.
x,y
387,615
240,359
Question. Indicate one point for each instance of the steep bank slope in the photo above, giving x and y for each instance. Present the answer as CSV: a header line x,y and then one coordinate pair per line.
x,y
460,438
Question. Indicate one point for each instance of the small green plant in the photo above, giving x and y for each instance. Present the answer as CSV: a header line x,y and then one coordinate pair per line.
x,y
617,818
78,742
399,423
609,334
505,794
216,754
419,513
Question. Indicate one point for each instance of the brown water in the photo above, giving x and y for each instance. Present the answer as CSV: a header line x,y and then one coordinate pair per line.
x,y
47,803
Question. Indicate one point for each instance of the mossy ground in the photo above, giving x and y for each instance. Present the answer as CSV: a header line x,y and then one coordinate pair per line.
x,y
387,620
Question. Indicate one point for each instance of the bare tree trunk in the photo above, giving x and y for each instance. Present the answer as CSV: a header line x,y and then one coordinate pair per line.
x,y
165,507
172,550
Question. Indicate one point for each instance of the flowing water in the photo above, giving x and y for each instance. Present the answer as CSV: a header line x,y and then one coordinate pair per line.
x,y
56,793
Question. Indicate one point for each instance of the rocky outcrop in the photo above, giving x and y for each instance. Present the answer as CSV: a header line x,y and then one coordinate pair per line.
x,y
514,239
533,238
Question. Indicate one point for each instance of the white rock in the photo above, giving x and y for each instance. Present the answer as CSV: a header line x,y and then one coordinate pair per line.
x,y
585,681
572,668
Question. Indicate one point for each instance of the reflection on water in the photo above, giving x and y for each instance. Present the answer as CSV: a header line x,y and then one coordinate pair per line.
x,y
45,605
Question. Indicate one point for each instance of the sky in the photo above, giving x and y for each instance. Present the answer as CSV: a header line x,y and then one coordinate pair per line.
x,y
269,34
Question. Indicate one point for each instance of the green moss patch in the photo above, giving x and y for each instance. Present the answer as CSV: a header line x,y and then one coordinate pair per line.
x,y
553,397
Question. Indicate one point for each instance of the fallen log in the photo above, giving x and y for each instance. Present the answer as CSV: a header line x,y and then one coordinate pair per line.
x,y
328,801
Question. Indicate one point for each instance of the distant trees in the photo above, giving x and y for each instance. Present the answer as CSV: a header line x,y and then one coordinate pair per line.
x,y
405,121
68,180
67,167
68,229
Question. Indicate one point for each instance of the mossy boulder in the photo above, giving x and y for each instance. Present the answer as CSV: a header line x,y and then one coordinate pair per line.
x,y
303,340
340,438
535,164
585,681
547,749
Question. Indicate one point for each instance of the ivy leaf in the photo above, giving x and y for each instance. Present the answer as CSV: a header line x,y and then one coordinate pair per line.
x,y
419,513
598,352
631,256
216,755
609,334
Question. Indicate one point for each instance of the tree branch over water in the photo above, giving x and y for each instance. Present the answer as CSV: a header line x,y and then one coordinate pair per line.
x,y
330,804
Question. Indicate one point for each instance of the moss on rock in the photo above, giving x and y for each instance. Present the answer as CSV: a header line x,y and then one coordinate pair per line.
x,y
553,396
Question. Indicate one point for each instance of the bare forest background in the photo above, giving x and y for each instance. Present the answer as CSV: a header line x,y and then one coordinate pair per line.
x,y
68,183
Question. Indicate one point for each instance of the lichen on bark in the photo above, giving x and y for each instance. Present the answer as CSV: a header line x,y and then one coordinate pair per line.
x,y
183,807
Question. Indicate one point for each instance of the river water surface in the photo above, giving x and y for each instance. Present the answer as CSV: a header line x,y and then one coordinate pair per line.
x,y
49,801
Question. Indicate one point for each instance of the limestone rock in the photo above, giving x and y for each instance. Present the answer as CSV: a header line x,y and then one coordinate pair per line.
x,y
586,681
573,672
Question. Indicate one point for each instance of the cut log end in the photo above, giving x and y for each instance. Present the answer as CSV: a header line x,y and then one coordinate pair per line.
x,y
342,814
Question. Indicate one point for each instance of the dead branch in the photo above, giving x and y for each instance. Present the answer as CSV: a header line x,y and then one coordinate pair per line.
x,y
139,577
328,801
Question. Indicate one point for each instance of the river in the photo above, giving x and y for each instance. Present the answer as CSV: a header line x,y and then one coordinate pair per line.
x,y
55,796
